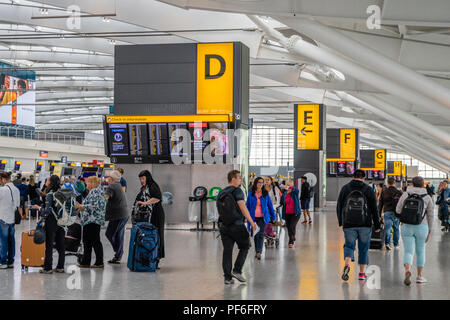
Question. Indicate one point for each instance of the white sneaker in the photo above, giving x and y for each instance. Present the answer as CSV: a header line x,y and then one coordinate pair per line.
x,y
388,247
421,280
3,266
396,247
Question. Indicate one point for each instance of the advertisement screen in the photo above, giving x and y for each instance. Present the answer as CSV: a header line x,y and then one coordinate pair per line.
x,y
17,98
375,174
138,139
350,168
118,134
341,170
382,174
197,131
369,174
218,137
175,140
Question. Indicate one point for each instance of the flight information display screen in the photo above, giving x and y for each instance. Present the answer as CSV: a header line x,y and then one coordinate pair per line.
x,y
159,139
118,133
138,139
159,142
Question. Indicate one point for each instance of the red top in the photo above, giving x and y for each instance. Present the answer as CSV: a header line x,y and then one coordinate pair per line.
x,y
258,210
290,207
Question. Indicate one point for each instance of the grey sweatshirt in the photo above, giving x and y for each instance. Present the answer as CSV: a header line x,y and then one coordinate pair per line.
x,y
428,204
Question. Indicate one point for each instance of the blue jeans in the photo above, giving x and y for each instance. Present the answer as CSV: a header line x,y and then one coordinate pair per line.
x,y
362,234
259,237
414,237
7,242
391,220
115,233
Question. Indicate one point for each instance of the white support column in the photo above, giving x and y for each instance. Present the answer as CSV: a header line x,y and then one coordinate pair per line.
x,y
370,58
296,45
399,117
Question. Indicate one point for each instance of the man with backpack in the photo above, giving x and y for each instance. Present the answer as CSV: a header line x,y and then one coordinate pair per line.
x,y
443,201
232,211
356,212
413,206
305,198
388,201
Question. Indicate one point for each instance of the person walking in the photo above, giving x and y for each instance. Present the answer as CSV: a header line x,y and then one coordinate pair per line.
x,y
414,205
388,201
232,227
443,201
291,210
305,198
9,202
54,234
357,212
150,195
117,215
261,210
92,214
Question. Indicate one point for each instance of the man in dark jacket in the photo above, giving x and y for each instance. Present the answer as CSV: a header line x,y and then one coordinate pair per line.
x,y
388,201
356,210
305,198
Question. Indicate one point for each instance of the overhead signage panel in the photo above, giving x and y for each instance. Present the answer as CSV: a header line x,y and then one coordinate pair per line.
x,y
348,143
215,78
308,127
380,159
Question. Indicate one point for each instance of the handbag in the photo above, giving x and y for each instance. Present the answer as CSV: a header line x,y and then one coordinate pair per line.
x,y
141,214
17,216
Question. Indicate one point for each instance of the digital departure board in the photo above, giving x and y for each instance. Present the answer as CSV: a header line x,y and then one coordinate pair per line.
x,y
152,142
118,133
159,139
138,139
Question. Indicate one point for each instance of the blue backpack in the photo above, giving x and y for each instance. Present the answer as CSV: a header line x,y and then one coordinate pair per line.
x,y
144,247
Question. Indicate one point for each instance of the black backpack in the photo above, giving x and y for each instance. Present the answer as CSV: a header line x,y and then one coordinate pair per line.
x,y
355,209
412,209
395,198
227,207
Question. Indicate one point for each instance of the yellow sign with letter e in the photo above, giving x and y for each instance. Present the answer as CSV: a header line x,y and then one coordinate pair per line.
x,y
308,126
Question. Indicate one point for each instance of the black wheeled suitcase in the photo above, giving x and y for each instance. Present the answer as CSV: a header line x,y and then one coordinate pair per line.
x,y
377,239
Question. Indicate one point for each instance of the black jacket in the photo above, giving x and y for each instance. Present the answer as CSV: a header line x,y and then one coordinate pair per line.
x,y
387,199
305,192
371,203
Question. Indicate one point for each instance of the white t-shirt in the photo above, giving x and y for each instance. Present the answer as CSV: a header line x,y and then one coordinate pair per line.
x,y
7,205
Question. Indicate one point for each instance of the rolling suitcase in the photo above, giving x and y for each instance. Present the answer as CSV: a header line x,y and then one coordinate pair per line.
x,y
32,255
144,247
377,239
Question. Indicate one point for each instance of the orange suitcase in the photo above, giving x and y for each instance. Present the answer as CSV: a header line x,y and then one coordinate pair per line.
x,y
32,255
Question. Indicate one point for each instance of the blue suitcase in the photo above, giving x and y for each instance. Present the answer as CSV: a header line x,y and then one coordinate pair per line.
x,y
144,246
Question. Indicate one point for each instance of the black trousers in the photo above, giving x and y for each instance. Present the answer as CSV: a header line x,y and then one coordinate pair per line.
x,y
230,235
291,225
91,239
54,234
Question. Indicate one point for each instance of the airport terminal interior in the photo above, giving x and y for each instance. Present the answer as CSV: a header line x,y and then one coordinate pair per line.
x,y
142,112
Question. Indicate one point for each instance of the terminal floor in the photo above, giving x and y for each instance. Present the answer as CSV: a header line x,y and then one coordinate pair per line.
x,y
192,270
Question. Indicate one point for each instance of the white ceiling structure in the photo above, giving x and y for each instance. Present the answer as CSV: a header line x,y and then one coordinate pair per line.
x,y
393,83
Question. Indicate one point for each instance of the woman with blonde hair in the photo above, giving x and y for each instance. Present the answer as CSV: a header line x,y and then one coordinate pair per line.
x,y
92,214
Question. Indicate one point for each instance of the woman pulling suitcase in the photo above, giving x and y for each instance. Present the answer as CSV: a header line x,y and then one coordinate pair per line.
x,y
150,196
